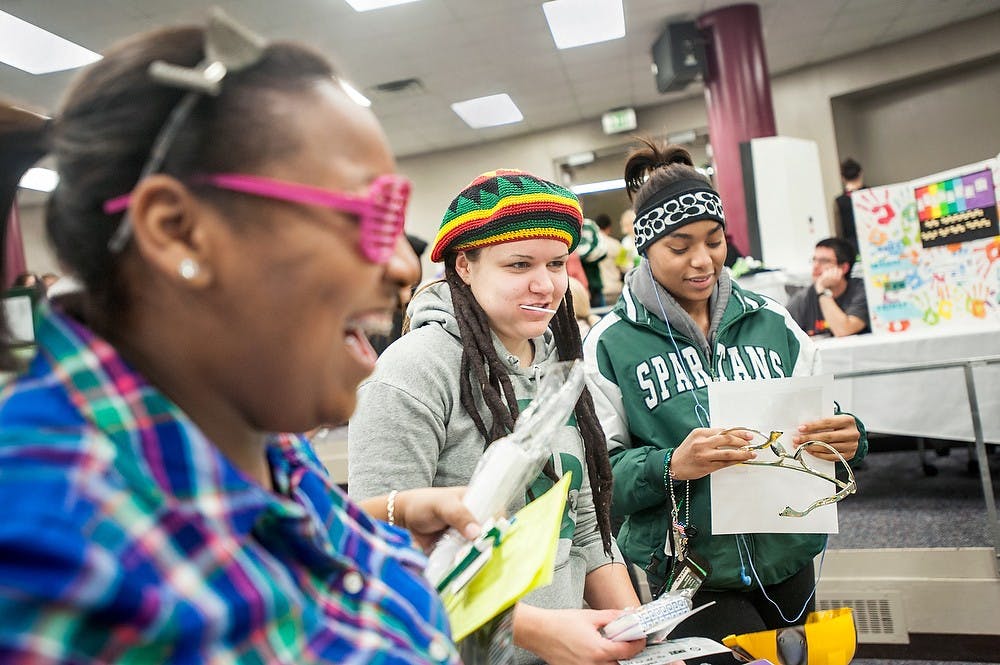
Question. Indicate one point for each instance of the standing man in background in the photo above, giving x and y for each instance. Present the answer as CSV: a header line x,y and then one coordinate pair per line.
x,y
835,304
843,210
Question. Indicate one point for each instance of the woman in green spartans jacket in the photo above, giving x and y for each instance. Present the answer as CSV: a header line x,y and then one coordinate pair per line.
x,y
650,394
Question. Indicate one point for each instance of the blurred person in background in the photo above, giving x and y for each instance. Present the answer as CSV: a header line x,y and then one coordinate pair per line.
x,y
26,279
629,257
611,274
49,279
380,340
581,307
592,251
852,177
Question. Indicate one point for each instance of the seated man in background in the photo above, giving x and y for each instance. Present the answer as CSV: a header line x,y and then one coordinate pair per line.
x,y
835,304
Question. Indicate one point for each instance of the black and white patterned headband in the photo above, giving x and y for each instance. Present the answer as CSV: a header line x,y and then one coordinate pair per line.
x,y
677,204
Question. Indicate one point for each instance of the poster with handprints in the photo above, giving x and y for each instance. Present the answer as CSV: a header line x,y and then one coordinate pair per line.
x,y
930,249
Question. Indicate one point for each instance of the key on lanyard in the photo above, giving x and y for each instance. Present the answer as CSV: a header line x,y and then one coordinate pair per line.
x,y
680,537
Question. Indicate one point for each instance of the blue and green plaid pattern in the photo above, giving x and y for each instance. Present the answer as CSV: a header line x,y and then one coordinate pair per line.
x,y
128,538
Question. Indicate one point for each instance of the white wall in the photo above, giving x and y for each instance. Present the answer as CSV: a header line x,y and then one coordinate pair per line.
x,y
905,132
438,177
802,98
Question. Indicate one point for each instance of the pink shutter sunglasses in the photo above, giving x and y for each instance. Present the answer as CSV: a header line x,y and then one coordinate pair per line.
x,y
381,213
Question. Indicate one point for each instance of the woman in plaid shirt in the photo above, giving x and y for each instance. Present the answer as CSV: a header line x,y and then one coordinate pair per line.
x,y
235,222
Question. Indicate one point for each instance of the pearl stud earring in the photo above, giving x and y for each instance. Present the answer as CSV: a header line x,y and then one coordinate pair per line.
x,y
188,269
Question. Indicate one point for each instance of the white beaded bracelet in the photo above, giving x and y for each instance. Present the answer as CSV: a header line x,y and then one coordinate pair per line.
x,y
390,507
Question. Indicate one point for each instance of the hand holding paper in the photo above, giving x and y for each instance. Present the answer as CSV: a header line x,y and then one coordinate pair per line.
x,y
840,431
780,405
709,449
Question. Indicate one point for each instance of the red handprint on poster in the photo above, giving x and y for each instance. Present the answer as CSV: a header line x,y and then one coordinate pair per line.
x,y
875,203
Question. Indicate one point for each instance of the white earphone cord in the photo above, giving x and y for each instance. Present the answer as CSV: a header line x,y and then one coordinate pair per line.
x,y
702,415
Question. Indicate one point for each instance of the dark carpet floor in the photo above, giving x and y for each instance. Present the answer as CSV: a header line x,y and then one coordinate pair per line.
x,y
898,505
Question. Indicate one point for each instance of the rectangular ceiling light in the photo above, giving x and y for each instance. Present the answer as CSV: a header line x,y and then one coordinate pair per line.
x,y
38,51
579,22
368,5
488,111
39,179
602,186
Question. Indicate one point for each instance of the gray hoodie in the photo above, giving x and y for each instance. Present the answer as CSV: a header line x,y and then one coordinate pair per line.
x,y
662,305
410,430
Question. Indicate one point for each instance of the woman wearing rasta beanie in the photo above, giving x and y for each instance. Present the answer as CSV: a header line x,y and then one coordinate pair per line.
x,y
680,323
457,381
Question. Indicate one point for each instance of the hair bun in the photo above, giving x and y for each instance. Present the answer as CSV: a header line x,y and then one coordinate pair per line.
x,y
675,154
649,158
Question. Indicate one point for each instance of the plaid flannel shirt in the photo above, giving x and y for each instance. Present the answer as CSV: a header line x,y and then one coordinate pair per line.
x,y
129,538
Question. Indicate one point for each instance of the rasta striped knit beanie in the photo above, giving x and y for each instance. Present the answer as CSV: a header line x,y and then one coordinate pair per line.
x,y
505,206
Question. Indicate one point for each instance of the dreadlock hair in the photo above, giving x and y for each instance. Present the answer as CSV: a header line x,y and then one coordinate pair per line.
x,y
480,360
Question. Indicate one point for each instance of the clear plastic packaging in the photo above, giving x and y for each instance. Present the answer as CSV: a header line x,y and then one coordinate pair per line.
x,y
510,464
654,620
658,616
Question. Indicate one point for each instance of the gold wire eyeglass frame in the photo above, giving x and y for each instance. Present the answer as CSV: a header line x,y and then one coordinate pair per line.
x,y
795,462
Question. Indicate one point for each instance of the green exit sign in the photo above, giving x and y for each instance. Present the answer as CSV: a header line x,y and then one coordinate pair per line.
x,y
619,120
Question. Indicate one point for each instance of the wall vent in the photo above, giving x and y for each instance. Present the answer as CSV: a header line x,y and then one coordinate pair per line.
x,y
878,616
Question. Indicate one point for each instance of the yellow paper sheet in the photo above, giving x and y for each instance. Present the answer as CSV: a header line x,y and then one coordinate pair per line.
x,y
524,561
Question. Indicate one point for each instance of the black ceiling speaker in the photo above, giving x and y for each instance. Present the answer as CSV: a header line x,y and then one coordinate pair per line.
x,y
678,56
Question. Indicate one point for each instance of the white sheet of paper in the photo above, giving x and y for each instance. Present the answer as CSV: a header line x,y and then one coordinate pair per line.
x,y
679,649
18,309
748,499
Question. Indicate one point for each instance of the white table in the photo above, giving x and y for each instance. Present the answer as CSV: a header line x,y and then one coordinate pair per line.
x,y
776,284
901,399
929,403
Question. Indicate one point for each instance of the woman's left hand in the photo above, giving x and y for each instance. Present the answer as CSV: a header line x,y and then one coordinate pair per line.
x,y
427,512
841,432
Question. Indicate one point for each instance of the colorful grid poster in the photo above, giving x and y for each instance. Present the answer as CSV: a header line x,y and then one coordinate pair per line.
x,y
930,250
957,209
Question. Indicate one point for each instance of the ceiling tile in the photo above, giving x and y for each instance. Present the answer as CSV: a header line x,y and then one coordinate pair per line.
x,y
461,49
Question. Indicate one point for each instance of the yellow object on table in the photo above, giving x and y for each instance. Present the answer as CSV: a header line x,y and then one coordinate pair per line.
x,y
828,637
